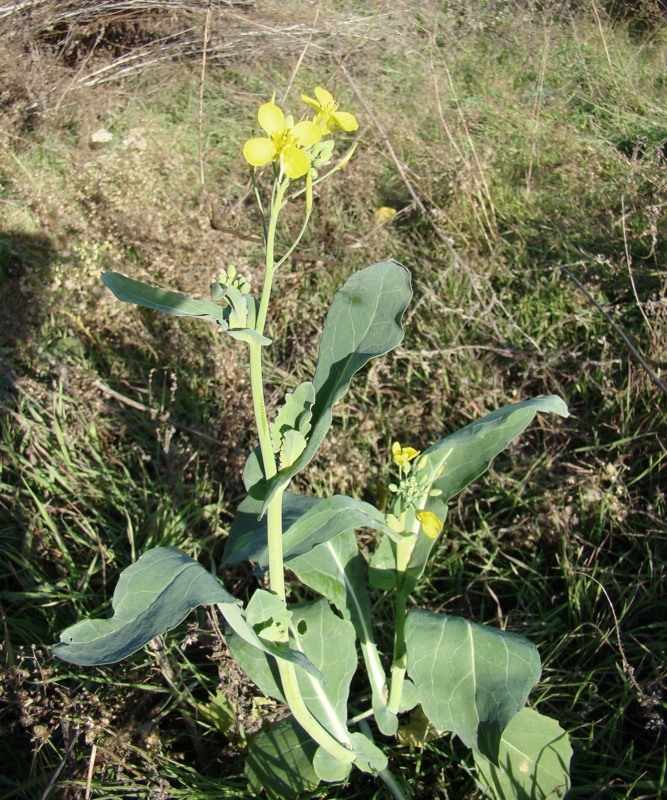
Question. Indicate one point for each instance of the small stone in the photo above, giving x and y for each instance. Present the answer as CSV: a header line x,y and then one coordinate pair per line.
x,y
101,136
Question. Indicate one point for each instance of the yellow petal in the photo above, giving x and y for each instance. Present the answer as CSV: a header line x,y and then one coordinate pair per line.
x,y
310,102
403,454
306,133
345,120
294,162
272,119
431,525
324,98
258,152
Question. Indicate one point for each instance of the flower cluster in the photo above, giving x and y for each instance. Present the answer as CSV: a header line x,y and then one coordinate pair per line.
x,y
292,144
412,489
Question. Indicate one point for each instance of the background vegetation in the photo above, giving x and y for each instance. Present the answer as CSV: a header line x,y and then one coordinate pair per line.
x,y
524,146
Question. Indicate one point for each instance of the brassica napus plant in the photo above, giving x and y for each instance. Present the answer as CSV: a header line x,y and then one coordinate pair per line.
x,y
470,679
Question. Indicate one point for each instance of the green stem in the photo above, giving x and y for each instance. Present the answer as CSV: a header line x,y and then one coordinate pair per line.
x,y
274,510
404,550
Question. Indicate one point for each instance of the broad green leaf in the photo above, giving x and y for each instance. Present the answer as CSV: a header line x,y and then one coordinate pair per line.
x,y
280,761
382,567
329,643
236,620
154,594
307,522
467,454
534,760
261,669
471,679
337,571
364,322
130,291
369,756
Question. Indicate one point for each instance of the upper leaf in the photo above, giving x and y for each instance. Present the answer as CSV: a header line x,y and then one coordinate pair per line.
x,y
458,459
534,760
154,594
470,679
468,453
364,322
130,291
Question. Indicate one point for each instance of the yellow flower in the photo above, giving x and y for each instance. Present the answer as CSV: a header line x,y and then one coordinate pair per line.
x,y
403,454
383,214
431,525
327,115
285,142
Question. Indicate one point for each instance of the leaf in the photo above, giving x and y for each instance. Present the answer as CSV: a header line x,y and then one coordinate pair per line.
x,y
154,594
235,618
464,456
468,453
130,291
329,644
364,322
280,761
382,568
369,756
261,669
534,760
328,768
307,522
269,616
471,679
337,571
294,414
294,443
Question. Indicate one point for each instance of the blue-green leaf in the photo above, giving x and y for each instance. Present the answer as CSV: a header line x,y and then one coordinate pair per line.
x,y
471,679
364,322
337,571
466,454
142,294
280,761
457,460
534,760
130,291
307,522
154,594
328,643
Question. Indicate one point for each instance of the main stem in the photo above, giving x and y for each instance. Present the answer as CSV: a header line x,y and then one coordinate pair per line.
x,y
274,511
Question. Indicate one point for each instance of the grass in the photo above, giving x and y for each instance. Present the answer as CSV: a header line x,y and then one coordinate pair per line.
x,y
538,146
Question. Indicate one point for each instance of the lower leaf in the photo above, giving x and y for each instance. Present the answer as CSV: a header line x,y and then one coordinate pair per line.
x,y
534,760
280,761
471,679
